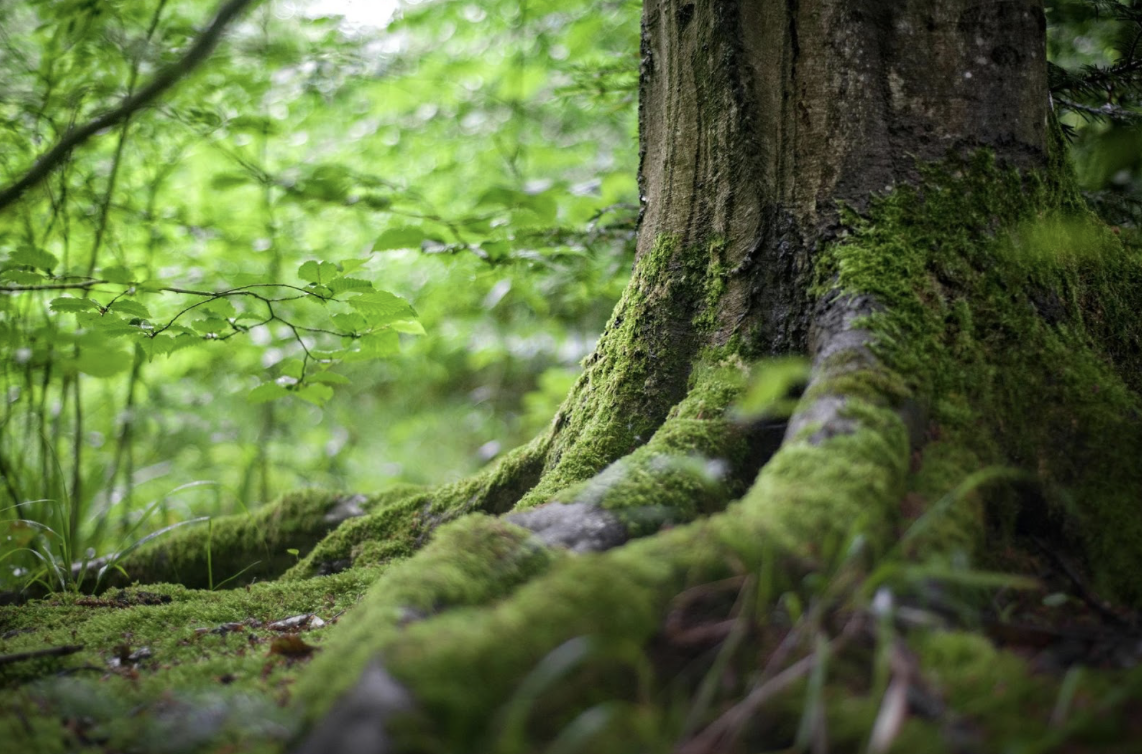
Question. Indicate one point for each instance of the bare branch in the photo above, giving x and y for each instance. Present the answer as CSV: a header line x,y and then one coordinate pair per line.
x,y
199,51
1109,111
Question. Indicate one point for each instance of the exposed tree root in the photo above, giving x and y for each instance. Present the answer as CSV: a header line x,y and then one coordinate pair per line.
x,y
619,597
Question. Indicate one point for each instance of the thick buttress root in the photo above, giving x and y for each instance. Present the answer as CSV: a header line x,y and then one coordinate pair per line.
x,y
619,597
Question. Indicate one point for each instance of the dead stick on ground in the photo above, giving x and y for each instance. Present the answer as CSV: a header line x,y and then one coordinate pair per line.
x,y
50,652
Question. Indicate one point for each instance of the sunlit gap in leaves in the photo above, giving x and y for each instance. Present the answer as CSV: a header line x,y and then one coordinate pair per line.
x,y
361,14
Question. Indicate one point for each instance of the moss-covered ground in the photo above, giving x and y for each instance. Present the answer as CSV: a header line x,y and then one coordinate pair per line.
x,y
963,583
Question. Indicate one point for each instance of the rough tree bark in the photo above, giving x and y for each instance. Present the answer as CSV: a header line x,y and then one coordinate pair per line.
x,y
877,185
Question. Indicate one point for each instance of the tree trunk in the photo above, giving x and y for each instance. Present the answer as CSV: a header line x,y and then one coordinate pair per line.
x,y
877,185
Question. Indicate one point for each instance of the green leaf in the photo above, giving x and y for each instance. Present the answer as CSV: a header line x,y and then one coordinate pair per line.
x,y
166,344
266,392
328,182
130,308
228,180
403,237
328,378
219,307
496,250
382,307
408,327
315,394
352,265
375,346
350,323
292,368
772,388
22,277
116,274
210,325
69,304
315,272
37,258
340,285
117,328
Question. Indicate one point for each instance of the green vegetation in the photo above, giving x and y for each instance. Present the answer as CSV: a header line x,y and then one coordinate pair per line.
x,y
324,311
273,241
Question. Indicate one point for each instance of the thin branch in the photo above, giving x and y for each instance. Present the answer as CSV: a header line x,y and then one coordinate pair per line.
x,y
36,653
199,51
1113,112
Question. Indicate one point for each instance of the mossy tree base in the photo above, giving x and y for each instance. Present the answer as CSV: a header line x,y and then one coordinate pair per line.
x,y
651,574
937,378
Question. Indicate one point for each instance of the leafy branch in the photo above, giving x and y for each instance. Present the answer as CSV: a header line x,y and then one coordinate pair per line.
x,y
1106,92
370,328
198,52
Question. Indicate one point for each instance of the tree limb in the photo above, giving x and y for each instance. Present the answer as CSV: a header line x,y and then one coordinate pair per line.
x,y
199,51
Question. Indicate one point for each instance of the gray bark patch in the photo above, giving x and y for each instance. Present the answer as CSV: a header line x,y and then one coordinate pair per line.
x,y
356,724
578,527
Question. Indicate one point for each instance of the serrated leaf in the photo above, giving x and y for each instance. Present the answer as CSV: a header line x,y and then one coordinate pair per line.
x,y
340,285
350,322
219,307
22,277
352,265
318,395
130,308
292,368
375,346
318,272
37,258
179,342
69,304
266,392
408,327
210,325
328,378
382,307
309,272
404,237
117,328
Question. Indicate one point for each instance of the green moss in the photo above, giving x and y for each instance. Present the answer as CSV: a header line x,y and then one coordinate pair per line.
x,y
856,482
692,466
206,677
1013,313
400,522
1002,699
619,599
234,549
637,372
958,527
468,562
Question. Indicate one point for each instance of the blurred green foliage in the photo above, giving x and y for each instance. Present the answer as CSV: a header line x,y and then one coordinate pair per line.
x,y
409,236
339,254
1095,48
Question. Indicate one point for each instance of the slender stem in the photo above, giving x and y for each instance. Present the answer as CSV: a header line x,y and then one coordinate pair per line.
x,y
76,474
117,160
199,51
